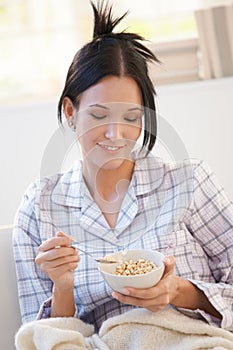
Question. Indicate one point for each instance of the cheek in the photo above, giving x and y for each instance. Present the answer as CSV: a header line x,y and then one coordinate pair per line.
x,y
85,130
133,132
87,138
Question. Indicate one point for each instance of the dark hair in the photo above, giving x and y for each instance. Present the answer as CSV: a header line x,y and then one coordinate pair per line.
x,y
117,54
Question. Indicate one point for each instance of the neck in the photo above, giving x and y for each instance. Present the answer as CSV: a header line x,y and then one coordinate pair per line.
x,y
109,184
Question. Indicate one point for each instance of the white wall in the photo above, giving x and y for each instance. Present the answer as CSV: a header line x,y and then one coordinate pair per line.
x,y
200,113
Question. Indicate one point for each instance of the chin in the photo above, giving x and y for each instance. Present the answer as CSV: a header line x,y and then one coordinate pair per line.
x,y
111,164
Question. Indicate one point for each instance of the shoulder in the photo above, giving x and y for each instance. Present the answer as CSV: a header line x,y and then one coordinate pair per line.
x,y
190,164
153,173
196,173
192,167
46,185
198,177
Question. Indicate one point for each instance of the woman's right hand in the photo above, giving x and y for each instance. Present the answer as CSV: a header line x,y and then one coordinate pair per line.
x,y
58,260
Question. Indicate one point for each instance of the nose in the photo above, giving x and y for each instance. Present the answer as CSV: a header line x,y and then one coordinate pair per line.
x,y
114,130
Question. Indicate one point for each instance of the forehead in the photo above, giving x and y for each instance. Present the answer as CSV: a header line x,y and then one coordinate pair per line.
x,y
111,90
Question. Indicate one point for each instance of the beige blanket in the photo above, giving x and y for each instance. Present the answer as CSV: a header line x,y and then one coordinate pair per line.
x,y
138,329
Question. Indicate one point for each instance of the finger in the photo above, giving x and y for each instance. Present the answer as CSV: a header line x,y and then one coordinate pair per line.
x,y
63,234
159,302
169,262
53,242
56,263
56,253
148,293
60,252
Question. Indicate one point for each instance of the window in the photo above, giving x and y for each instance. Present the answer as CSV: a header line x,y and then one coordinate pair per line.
x,y
38,40
162,20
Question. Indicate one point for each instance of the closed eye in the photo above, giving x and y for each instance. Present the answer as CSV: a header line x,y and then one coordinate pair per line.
x,y
131,120
132,117
98,116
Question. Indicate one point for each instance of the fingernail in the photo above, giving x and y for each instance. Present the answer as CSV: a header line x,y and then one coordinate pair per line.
x,y
167,260
59,233
125,291
114,295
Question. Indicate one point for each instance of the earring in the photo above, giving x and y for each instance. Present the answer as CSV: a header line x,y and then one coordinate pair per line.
x,y
71,124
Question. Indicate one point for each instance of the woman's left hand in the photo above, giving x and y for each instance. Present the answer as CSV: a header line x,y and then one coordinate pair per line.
x,y
157,297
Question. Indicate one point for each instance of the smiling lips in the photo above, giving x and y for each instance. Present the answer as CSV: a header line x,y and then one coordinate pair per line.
x,y
110,149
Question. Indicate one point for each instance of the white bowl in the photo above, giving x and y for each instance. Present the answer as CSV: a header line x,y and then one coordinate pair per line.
x,y
147,280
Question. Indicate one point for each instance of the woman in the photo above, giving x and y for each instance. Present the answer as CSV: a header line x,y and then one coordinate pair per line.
x,y
120,196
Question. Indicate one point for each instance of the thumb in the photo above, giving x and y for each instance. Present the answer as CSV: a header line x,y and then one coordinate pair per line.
x,y
62,234
169,262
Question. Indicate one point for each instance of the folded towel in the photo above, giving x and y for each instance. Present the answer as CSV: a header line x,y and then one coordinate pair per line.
x,y
138,329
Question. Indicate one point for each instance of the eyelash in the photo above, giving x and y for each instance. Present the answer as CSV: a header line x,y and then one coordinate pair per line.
x,y
98,116
131,120
104,116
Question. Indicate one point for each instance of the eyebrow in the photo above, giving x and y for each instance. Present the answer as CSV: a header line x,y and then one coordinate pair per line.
x,y
135,109
97,105
104,107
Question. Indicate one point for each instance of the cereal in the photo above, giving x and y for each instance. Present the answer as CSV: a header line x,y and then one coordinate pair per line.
x,y
108,258
132,268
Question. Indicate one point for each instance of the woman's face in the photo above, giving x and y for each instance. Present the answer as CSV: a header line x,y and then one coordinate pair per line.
x,y
109,121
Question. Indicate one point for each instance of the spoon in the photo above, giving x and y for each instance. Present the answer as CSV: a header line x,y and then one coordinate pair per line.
x,y
104,260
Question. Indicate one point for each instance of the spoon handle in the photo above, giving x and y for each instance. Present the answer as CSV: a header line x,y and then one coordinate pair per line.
x,y
100,260
76,245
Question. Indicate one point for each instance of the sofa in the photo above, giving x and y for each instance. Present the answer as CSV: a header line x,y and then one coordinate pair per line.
x,y
9,306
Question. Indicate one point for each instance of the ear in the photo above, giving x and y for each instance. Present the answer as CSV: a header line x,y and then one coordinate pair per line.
x,y
68,107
